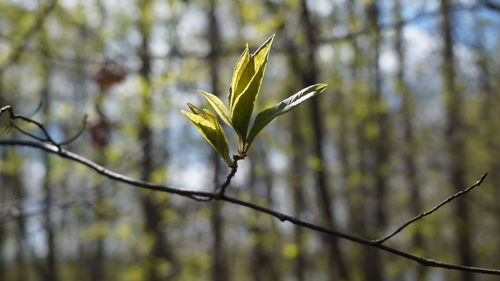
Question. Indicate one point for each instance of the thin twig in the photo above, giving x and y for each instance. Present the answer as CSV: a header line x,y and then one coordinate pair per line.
x,y
491,5
14,116
447,200
28,133
78,134
47,138
38,108
216,196
234,169
39,125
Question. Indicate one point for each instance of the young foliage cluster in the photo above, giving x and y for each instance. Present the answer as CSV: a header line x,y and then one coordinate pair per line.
x,y
243,92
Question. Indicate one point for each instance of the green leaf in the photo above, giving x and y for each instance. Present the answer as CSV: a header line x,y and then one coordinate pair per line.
x,y
267,115
260,56
237,73
243,106
245,69
218,106
206,122
243,101
194,109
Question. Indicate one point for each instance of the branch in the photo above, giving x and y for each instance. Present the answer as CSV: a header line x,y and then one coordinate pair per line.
x,y
490,5
221,197
14,116
447,200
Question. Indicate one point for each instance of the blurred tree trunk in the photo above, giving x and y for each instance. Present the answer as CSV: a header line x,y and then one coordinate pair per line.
x,y
266,236
98,259
297,172
258,254
489,112
409,149
161,251
3,235
298,162
455,138
219,269
378,142
219,264
10,180
3,197
3,272
273,271
260,259
380,115
358,197
297,169
19,192
310,75
51,273
12,189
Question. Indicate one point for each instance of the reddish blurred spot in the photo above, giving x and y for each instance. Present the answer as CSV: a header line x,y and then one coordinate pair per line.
x,y
100,132
109,74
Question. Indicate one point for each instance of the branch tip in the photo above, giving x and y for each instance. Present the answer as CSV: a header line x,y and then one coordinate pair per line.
x,y
435,208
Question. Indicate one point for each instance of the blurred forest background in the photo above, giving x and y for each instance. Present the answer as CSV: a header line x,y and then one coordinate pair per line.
x,y
411,115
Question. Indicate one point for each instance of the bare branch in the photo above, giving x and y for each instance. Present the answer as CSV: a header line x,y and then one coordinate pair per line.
x,y
28,133
105,172
447,200
47,138
78,134
192,194
491,5
14,116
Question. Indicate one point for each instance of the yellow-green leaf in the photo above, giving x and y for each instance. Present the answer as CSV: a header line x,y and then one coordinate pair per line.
x,y
243,101
244,72
267,115
194,109
218,106
237,72
260,56
207,124
244,104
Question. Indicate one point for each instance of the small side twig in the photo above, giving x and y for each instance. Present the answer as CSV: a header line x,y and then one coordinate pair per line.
x,y
78,134
28,133
234,169
446,201
14,116
46,136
